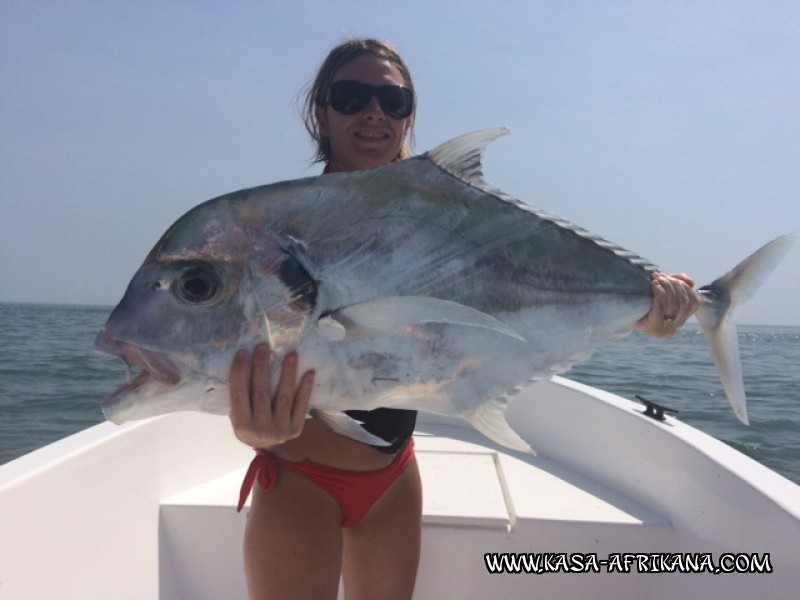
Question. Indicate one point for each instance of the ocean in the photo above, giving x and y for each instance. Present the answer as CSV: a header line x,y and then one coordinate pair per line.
x,y
52,383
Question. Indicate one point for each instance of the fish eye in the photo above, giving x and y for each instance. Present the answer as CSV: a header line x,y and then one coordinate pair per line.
x,y
198,285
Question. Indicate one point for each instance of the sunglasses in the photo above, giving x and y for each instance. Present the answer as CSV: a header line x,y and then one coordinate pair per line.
x,y
351,97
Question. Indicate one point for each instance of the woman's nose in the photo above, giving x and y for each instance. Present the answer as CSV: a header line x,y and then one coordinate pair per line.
x,y
373,109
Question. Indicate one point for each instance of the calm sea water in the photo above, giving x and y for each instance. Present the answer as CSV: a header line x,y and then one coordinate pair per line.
x,y
51,382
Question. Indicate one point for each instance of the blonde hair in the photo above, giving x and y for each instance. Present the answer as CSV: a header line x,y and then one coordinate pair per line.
x,y
317,90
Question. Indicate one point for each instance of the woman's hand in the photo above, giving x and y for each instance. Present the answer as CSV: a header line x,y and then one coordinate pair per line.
x,y
259,419
674,301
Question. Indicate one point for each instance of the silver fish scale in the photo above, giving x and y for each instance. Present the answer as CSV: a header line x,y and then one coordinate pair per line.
x,y
463,244
422,287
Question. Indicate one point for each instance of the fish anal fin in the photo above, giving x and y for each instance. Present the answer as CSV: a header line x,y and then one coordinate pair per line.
x,y
490,420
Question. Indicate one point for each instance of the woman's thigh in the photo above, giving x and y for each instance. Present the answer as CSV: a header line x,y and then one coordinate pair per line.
x,y
381,553
293,541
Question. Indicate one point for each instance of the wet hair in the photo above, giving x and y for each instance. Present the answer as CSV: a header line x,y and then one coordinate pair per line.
x,y
317,90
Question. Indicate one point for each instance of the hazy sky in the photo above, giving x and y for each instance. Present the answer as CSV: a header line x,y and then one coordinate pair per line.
x,y
672,128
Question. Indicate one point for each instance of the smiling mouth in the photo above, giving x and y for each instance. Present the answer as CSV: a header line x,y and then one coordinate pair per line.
x,y
372,135
155,367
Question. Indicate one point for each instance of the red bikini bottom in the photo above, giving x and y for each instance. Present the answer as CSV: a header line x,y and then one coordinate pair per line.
x,y
355,492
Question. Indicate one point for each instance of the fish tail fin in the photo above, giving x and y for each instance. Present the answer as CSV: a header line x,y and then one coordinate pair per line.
x,y
721,298
490,420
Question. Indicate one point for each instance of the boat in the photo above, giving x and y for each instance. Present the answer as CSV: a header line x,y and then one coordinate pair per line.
x,y
619,501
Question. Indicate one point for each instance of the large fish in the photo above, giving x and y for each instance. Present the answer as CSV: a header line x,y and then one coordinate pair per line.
x,y
415,285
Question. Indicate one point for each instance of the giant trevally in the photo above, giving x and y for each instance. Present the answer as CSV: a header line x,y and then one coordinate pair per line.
x,y
415,285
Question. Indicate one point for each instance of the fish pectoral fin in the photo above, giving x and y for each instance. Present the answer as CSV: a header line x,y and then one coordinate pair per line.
x,y
392,315
490,420
348,427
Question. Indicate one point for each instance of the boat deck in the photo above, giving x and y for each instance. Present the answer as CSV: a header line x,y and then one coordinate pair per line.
x,y
147,510
476,499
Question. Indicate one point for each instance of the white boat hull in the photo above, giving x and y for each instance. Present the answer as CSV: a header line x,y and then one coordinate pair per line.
x,y
147,510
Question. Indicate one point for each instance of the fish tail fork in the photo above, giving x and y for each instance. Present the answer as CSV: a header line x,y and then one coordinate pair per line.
x,y
720,299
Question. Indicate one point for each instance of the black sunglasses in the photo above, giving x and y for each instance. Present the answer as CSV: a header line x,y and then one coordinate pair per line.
x,y
351,97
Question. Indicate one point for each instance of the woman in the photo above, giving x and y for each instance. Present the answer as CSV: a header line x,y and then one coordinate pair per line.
x,y
334,505
303,533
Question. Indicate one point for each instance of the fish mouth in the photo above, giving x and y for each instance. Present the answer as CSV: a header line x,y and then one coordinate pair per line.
x,y
156,369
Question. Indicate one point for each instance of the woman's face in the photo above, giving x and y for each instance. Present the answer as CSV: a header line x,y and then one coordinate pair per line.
x,y
370,138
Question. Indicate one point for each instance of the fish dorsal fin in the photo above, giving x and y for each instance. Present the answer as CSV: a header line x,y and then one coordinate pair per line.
x,y
461,157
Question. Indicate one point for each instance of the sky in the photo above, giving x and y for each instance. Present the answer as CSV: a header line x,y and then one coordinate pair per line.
x,y
671,128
